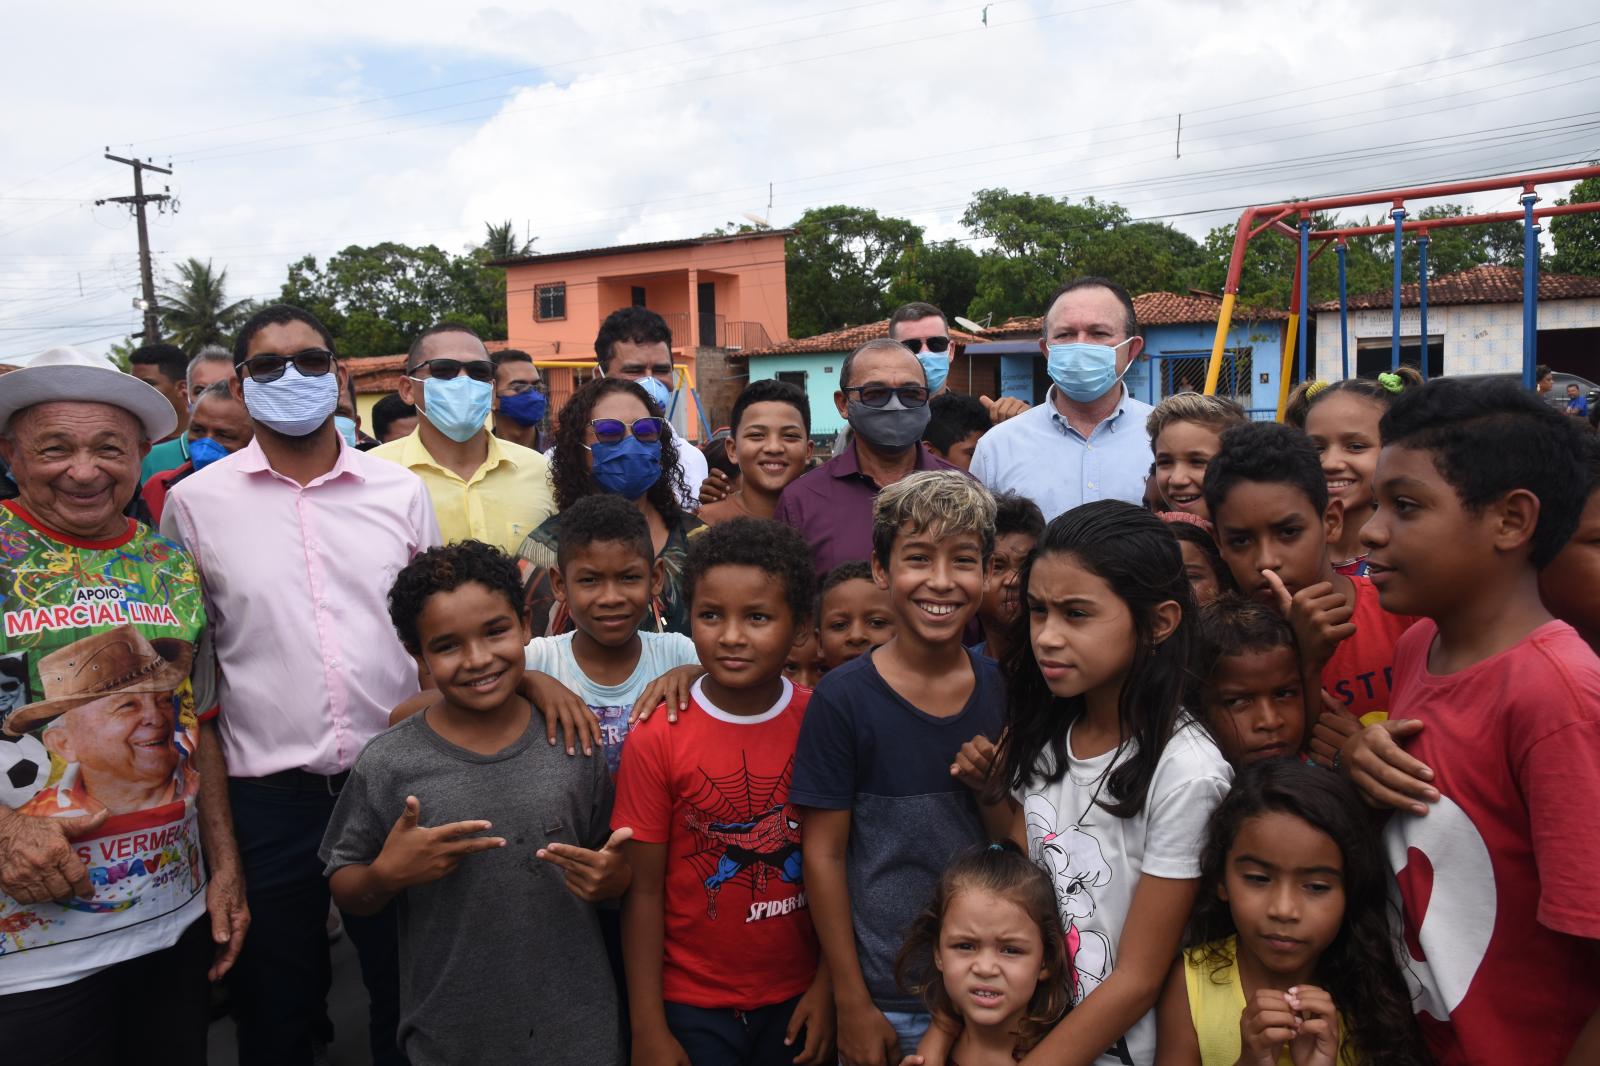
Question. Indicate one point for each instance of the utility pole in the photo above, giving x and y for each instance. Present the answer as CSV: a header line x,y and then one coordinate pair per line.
x,y
152,323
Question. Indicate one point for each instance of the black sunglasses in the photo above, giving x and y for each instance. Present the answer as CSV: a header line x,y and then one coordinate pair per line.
x,y
878,395
612,430
935,344
445,369
311,363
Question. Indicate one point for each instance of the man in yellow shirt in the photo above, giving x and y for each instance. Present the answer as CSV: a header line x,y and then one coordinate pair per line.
x,y
482,487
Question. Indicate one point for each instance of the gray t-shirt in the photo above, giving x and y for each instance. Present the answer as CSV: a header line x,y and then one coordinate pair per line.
x,y
499,963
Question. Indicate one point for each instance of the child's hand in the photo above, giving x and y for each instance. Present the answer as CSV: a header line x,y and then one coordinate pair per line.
x,y
1387,776
1335,725
593,875
1265,1025
1319,616
414,855
974,762
814,1014
561,708
714,489
865,1036
656,1046
671,688
1317,1043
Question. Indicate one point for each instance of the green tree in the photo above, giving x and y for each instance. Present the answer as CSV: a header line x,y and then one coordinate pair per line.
x,y
1577,237
840,263
121,354
1452,248
501,242
944,274
194,306
374,299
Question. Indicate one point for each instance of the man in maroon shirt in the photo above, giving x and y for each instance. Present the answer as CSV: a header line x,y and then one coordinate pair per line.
x,y
883,394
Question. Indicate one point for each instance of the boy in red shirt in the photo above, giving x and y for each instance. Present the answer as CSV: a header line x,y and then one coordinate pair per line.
x,y
1479,486
721,957
1268,498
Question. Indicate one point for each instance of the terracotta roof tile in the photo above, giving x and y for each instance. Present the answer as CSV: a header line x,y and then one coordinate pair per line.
x,y
1153,309
846,340
1485,284
381,373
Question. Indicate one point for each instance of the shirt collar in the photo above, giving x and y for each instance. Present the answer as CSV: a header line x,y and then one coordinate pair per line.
x,y
846,464
252,460
1061,420
414,453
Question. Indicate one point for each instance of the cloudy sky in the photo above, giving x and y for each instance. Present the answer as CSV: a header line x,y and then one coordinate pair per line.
x,y
296,128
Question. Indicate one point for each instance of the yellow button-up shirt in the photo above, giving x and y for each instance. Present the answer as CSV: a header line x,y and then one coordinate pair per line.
x,y
505,499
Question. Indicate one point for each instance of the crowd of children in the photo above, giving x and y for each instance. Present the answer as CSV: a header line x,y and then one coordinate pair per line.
x,y
1300,770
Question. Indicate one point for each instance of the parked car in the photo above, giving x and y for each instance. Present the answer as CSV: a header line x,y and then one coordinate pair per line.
x,y
1557,396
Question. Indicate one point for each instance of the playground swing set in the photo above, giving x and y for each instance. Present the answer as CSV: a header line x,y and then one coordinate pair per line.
x,y
1274,218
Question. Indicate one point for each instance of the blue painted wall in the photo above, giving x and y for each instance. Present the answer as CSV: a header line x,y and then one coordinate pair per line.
x,y
1144,378
822,380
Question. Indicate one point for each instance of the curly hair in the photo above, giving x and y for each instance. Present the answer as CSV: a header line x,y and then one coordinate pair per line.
x,y
1361,967
569,460
1489,438
1266,452
1131,550
444,570
607,519
854,570
632,325
1015,513
1001,870
771,547
277,315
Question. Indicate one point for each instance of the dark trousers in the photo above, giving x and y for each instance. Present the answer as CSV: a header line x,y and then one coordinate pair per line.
x,y
722,1037
157,1000
280,984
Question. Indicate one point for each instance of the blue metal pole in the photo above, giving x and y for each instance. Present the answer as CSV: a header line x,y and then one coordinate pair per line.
x,y
1305,289
1344,316
1399,216
1530,289
1422,299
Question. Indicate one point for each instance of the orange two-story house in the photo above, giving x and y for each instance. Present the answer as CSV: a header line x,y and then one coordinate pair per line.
x,y
718,294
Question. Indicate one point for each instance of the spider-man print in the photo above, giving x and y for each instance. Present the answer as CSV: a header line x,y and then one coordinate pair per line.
x,y
747,832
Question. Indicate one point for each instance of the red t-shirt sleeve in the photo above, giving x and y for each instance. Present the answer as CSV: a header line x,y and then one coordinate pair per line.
x,y
1560,776
644,782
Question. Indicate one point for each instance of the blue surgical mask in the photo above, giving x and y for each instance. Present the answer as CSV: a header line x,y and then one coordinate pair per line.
x,y
1085,372
627,468
656,391
937,366
525,408
347,429
458,407
294,405
204,452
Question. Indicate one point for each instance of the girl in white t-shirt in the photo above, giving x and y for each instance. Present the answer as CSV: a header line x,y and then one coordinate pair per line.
x,y
1102,776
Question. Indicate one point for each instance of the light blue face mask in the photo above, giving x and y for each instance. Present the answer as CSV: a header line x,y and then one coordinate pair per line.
x,y
656,391
347,429
1085,372
459,407
937,366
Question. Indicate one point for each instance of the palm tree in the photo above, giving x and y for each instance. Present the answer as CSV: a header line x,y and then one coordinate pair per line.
x,y
195,310
501,242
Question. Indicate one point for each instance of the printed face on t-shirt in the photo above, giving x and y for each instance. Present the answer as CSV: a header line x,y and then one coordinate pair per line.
x,y
607,585
1423,544
1284,883
123,747
470,640
743,631
1570,585
935,582
856,616
1183,451
1254,705
1272,525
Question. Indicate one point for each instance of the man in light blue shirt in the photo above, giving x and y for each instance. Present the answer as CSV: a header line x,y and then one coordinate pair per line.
x,y
1087,441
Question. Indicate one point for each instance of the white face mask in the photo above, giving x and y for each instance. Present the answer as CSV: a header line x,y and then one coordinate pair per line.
x,y
294,405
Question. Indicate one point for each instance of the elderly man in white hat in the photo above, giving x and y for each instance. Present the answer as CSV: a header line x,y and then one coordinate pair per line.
x,y
103,899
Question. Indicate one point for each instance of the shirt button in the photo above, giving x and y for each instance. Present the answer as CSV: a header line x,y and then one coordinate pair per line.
x,y
333,662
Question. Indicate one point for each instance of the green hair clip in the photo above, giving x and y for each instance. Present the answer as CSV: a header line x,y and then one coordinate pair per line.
x,y
1391,382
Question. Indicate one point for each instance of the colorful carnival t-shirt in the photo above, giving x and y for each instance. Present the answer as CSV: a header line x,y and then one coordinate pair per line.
x,y
99,712
714,788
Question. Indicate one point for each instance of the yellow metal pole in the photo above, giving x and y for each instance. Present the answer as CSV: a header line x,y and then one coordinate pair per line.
x,y
1224,323
1287,369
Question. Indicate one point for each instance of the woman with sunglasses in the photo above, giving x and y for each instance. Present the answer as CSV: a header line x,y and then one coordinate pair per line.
x,y
611,438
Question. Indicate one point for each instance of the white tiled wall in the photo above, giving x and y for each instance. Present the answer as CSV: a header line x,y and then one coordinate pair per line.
x,y
1478,338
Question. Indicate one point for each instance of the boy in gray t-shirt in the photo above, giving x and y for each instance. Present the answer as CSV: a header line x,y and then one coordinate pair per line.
x,y
498,934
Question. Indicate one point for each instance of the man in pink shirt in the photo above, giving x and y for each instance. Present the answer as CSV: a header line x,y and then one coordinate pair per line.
x,y
297,538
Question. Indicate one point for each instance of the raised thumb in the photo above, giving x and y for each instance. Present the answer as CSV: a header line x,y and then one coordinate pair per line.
x,y
988,404
618,838
409,816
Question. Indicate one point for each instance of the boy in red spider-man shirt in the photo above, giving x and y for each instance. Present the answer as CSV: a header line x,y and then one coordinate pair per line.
x,y
717,941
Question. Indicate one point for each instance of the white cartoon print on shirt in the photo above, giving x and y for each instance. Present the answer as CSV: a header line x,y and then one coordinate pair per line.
x,y
1077,865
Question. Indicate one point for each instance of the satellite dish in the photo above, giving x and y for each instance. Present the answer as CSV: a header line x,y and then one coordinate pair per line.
x,y
971,326
759,220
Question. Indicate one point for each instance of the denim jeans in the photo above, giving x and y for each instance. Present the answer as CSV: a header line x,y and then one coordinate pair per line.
x,y
909,1026
280,984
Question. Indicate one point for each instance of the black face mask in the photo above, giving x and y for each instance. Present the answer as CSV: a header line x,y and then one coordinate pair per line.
x,y
893,427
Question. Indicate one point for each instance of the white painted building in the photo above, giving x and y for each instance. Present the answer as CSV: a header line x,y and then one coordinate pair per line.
x,y
1474,325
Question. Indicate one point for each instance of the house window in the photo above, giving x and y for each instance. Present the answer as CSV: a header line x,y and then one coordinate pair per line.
x,y
551,301
793,377
638,296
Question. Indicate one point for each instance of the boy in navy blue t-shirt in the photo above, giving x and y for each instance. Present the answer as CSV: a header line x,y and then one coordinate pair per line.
x,y
873,766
